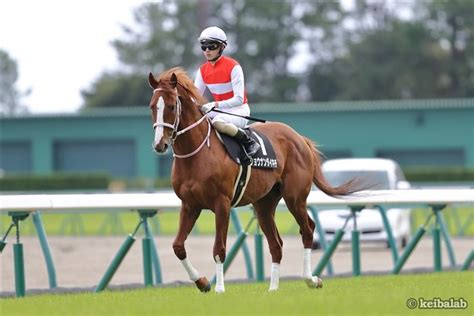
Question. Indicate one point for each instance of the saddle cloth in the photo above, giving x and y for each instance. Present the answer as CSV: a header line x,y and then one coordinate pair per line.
x,y
264,158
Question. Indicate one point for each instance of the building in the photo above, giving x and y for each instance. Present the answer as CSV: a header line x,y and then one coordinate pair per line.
x,y
118,141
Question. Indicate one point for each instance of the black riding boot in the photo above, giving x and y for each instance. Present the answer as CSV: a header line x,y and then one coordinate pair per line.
x,y
250,145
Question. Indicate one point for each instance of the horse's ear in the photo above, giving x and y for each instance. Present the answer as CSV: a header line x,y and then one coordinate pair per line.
x,y
173,80
152,81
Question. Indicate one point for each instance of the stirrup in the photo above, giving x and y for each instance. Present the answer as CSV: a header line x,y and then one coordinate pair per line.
x,y
256,148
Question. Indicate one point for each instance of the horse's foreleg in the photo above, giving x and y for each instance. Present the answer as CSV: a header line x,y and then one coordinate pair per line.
x,y
187,220
219,252
220,288
274,277
202,283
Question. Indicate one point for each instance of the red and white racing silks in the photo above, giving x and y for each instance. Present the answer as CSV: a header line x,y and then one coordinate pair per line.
x,y
225,81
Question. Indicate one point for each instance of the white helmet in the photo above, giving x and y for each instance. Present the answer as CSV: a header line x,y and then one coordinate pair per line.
x,y
213,34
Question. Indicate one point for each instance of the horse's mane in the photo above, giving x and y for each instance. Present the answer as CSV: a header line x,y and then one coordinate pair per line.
x,y
186,84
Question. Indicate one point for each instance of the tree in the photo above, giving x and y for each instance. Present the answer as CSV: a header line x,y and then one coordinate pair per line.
x,y
388,57
376,50
160,41
10,96
452,25
401,62
262,37
118,89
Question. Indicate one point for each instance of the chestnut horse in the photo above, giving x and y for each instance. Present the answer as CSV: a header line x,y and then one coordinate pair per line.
x,y
203,176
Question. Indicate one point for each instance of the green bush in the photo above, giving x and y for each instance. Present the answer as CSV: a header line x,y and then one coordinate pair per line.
x,y
55,181
141,184
439,174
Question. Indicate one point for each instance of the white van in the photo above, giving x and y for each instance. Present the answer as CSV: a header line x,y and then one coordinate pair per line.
x,y
386,174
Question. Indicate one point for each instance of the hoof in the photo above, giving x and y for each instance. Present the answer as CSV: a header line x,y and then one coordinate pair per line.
x,y
203,284
320,284
314,282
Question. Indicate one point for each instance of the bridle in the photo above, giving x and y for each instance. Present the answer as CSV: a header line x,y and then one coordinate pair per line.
x,y
174,127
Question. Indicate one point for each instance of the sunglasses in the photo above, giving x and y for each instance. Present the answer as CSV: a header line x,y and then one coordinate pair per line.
x,y
209,46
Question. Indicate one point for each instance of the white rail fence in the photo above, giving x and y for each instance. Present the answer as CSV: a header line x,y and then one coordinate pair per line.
x,y
160,200
20,206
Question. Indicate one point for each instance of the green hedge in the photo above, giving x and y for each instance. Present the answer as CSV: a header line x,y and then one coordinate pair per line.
x,y
56,182
100,181
77,181
439,174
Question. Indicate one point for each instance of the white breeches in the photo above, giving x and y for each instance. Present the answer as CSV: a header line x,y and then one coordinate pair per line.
x,y
237,121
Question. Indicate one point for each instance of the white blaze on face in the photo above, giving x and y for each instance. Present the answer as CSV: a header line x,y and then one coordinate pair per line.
x,y
160,107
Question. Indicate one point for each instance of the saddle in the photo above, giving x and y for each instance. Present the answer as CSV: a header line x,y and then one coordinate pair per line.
x,y
265,158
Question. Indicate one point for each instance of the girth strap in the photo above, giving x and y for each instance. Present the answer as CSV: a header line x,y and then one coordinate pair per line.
x,y
241,182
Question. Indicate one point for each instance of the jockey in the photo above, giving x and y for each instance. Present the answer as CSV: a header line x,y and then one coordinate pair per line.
x,y
224,78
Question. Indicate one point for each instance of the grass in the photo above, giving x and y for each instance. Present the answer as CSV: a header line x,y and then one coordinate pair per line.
x,y
366,295
166,222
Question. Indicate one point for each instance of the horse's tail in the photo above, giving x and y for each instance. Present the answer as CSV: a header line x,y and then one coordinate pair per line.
x,y
347,188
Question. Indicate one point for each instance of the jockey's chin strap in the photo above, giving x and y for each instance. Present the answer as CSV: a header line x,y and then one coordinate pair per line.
x,y
177,133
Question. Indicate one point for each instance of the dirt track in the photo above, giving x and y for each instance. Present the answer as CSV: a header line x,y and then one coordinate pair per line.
x,y
82,261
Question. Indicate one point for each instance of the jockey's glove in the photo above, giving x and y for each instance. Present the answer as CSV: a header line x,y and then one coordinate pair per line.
x,y
205,108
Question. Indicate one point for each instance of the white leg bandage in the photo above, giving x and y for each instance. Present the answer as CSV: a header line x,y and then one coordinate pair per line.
x,y
192,272
219,277
275,277
310,280
307,263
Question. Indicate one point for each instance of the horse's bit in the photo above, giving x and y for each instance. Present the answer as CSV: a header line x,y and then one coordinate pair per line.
x,y
175,125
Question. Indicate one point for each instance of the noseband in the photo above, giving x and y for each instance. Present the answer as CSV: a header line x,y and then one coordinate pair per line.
x,y
174,127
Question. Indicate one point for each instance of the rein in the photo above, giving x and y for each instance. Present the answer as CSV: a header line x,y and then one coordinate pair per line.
x,y
177,133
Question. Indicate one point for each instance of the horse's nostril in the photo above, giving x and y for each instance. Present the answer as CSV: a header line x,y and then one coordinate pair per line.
x,y
160,149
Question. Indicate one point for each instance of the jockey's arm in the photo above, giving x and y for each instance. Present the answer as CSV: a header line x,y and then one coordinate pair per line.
x,y
237,79
199,82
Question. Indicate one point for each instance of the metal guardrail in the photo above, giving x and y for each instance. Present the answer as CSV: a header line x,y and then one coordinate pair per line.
x,y
20,206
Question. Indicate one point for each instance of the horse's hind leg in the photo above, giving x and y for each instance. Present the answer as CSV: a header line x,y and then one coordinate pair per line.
x,y
187,219
295,198
265,209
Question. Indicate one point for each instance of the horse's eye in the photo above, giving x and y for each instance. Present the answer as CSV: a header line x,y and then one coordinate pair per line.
x,y
172,108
